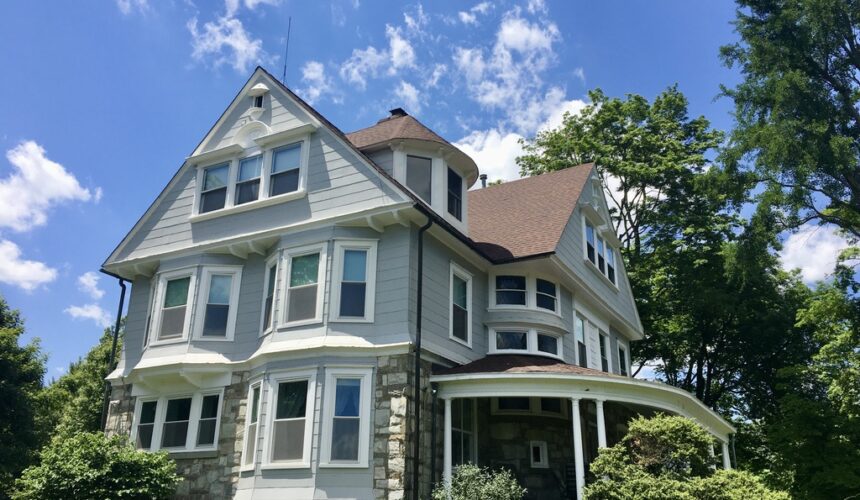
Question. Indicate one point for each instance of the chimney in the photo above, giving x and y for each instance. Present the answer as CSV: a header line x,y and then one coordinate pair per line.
x,y
483,178
396,112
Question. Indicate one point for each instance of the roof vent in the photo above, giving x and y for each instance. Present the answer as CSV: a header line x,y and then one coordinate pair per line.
x,y
398,112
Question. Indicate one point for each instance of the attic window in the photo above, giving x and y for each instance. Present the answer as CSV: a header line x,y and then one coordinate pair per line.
x,y
257,101
419,176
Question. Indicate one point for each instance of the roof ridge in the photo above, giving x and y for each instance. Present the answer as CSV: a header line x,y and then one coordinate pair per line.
x,y
553,172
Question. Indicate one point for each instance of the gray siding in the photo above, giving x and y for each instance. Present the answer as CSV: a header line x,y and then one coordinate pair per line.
x,y
385,159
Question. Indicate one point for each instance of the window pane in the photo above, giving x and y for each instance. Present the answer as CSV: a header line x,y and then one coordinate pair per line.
x,y
176,293
515,298
505,290
250,168
209,408
579,329
178,409
213,200
255,404
347,397
583,357
516,404
216,177
455,194
172,322
147,412
144,436
545,302
219,289
547,343
511,340
419,176
589,239
344,442
173,434
467,415
352,297
270,292
460,292
289,440
510,283
459,323
286,182
600,261
457,445
355,265
287,158
206,432
546,287
551,405
457,413
302,303
247,191
250,444
304,270
292,399
215,321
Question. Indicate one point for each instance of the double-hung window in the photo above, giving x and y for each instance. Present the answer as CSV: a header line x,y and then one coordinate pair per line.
x,y
455,194
461,299
291,411
208,423
213,195
286,166
604,352
511,290
178,423
252,424
346,423
271,281
248,180
601,261
419,176
354,287
600,253
146,424
590,252
463,431
622,360
546,295
218,301
579,325
174,431
172,317
306,272
610,263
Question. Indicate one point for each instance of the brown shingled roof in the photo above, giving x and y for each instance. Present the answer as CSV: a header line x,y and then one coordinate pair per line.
x,y
525,217
520,363
397,126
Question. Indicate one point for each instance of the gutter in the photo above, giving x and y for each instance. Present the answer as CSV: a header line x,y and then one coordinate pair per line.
x,y
110,366
417,395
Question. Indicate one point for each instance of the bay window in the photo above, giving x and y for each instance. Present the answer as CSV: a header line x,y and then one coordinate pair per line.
x,y
218,301
524,341
174,290
306,271
419,176
346,423
291,410
461,310
178,423
546,295
510,290
286,165
547,343
213,195
252,412
248,180
354,284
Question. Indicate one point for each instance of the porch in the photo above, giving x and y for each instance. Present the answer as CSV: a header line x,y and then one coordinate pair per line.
x,y
545,420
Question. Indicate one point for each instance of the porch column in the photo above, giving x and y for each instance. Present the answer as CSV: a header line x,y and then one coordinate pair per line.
x,y
727,460
446,464
601,424
578,454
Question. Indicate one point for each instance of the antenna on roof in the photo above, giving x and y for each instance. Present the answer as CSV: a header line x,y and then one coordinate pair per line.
x,y
287,50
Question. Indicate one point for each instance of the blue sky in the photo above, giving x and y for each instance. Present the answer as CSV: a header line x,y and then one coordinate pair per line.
x,y
103,101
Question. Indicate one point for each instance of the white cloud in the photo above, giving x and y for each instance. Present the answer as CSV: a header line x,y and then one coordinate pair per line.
x,y
536,7
225,41
467,17
89,284
37,185
470,62
318,83
579,73
410,96
402,53
25,274
812,249
232,6
363,64
128,6
439,70
417,21
482,8
471,16
90,311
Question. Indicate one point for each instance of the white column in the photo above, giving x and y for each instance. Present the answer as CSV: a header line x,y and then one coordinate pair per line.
x,y
601,424
446,464
578,454
727,461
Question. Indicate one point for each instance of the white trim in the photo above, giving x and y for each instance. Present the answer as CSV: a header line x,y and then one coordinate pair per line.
x,y
273,260
287,256
370,279
543,462
193,419
622,345
530,291
273,380
235,272
606,342
162,279
531,341
456,270
366,394
249,400
599,243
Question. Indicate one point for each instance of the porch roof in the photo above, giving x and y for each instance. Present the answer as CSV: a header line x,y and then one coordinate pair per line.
x,y
522,363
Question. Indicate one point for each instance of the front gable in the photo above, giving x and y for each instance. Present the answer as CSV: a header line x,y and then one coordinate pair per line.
x,y
335,179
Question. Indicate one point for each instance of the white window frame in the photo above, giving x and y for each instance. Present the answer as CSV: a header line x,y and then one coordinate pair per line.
x,y
231,182
331,376
287,261
203,298
626,347
273,260
456,270
272,382
193,422
158,304
531,342
544,456
583,363
607,344
600,244
337,276
256,384
531,293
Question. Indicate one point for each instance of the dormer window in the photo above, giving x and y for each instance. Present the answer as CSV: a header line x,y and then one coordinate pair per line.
x,y
600,253
214,193
286,163
248,181
455,194
419,176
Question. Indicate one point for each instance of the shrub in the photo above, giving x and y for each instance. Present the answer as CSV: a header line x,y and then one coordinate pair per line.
x,y
92,466
471,482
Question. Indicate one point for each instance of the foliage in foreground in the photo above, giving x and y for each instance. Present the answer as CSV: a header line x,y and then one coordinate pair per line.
x,y
668,458
471,482
93,466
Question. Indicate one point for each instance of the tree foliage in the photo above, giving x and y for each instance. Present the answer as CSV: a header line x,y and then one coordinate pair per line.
x,y
471,482
668,458
92,466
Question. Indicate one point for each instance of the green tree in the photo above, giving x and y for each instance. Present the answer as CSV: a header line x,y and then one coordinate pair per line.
x,y
21,370
668,458
471,482
797,106
92,466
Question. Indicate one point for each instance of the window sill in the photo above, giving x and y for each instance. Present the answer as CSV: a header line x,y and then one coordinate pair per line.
x,y
178,340
293,324
593,267
212,339
351,320
189,454
523,308
335,465
302,465
461,341
236,209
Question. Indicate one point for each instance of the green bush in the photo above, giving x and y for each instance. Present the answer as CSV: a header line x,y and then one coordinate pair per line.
x,y
90,466
471,482
668,458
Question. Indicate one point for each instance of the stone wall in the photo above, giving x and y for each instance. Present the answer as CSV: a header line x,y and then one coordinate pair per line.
x,y
120,411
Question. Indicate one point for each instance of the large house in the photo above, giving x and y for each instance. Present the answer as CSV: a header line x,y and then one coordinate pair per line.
x,y
323,315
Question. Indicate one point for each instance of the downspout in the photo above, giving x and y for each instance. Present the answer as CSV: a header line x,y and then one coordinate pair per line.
x,y
110,365
417,395
434,392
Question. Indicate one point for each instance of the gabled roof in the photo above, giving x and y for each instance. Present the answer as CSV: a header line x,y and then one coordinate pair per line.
x,y
399,125
526,217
